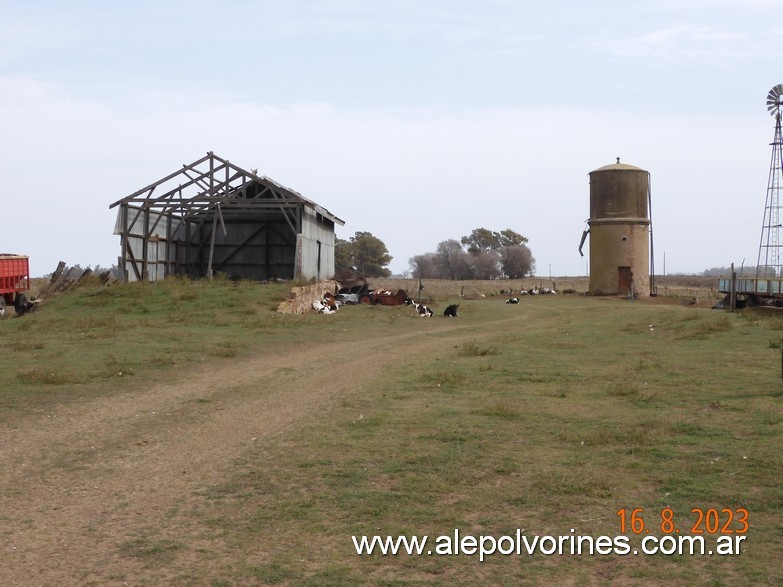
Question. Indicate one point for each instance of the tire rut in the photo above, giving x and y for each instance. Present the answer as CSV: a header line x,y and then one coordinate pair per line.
x,y
102,472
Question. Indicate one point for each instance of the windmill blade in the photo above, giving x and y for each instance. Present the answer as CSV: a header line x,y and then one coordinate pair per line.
x,y
773,96
774,99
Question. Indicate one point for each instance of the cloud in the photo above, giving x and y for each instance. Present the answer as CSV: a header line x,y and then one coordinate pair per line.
x,y
25,33
680,43
412,176
415,122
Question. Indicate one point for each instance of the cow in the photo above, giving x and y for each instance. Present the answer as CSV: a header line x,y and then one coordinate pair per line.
x,y
512,301
387,298
331,301
451,311
323,307
422,311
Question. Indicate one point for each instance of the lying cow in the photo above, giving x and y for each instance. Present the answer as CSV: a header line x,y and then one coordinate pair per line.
x,y
512,301
421,310
325,306
451,311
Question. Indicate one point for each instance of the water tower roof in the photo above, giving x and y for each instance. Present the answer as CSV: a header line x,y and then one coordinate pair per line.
x,y
619,167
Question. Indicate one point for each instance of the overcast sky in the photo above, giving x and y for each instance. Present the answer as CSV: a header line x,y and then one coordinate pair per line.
x,y
417,121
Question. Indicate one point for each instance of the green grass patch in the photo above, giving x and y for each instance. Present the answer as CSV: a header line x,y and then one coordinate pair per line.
x,y
77,340
157,552
577,408
472,348
541,439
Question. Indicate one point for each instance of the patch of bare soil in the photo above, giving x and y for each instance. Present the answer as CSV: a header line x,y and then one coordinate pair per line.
x,y
91,486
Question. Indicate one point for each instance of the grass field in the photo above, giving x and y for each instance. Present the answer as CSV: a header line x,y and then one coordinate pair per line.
x,y
284,436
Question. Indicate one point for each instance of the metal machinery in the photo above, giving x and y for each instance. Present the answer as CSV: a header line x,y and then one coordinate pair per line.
x,y
14,279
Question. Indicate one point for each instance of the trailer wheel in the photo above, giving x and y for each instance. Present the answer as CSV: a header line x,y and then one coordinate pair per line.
x,y
20,303
2,306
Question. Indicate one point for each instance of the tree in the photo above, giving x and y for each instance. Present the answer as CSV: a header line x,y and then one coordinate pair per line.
x,y
343,259
363,253
483,239
517,261
489,255
425,266
510,238
486,265
453,261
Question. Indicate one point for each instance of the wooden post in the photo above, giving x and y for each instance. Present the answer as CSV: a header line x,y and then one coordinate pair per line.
x,y
214,219
733,290
124,244
145,270
212,245
169,248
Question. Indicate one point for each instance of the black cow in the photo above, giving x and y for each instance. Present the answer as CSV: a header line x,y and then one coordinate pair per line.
x,y
451,311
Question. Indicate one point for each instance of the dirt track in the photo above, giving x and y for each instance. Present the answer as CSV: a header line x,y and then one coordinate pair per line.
x,y
92,476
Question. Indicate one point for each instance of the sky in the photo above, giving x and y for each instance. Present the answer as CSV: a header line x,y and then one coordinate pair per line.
x,y
417,121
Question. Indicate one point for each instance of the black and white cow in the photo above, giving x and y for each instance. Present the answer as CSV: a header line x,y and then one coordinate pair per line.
x,y
451,311
512,301
422,311
325,306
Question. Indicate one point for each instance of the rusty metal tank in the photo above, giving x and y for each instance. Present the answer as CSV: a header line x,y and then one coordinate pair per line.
x,y
619,227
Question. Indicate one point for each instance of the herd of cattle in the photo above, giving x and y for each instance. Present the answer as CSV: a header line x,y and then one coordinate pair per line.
x,y
331,303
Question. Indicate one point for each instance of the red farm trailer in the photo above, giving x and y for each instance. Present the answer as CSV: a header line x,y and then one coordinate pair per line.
x,y
14,280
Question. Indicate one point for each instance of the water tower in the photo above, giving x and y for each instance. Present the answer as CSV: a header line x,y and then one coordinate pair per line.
x,y
620,231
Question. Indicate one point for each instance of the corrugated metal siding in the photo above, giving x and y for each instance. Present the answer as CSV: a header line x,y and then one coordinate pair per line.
x,y
317,246
157,243
266,252
258,248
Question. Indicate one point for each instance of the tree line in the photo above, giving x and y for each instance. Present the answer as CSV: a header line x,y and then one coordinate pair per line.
x,y
483,254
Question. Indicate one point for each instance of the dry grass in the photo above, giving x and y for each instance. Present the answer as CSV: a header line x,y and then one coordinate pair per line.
x,y
301,431
686,290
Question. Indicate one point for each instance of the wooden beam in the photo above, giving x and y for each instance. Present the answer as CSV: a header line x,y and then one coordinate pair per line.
x,y
159,182
168,195
145,271
134,263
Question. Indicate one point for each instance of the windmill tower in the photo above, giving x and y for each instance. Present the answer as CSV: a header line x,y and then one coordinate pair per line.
x,y
770,261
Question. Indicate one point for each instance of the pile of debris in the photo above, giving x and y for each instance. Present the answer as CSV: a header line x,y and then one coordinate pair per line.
x,y
302,299
65,277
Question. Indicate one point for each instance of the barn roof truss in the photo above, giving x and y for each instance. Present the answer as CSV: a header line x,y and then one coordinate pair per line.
x,y
198,187
212,190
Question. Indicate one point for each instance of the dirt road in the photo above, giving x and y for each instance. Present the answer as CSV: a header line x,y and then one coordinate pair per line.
x,y
89,480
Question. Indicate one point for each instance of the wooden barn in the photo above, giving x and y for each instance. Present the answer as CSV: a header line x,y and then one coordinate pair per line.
x,y
214,217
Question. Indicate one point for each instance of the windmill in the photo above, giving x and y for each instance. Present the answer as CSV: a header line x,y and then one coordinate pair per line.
x,y
770,261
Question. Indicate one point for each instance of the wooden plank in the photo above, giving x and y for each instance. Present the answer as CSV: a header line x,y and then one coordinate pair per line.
x,y
52,279
68,279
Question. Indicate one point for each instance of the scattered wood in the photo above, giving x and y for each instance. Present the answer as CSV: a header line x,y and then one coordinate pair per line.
x,y
107,277
63,278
